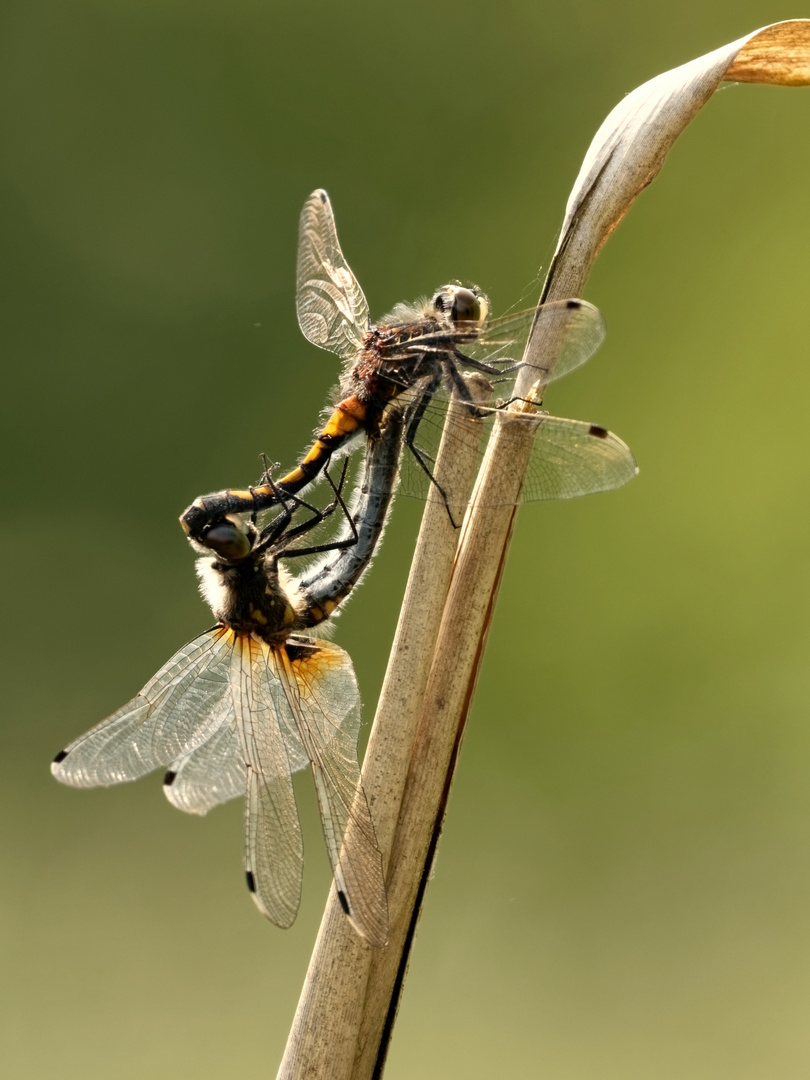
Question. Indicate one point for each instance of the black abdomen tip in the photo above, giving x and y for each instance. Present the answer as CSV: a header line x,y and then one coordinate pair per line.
x,y
60,757
598,432
251,881
169,778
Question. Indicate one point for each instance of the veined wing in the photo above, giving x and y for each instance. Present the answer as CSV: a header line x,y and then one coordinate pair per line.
x,y
211,774
274,847
576,324
332,310
319,686
178,709
570,457
215,772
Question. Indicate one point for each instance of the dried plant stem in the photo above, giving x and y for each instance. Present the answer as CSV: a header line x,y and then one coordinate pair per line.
x,y
447,698
324,1039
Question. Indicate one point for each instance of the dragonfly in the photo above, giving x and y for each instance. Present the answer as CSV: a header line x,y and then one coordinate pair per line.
x,y
418,354
254,699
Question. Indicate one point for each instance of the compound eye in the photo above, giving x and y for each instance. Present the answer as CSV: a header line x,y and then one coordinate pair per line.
x,y
460,305
466,307
229,539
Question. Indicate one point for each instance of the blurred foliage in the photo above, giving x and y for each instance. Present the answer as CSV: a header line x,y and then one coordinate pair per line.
x,y
624,882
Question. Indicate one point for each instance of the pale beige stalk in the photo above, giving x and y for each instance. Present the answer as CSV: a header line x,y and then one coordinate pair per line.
x,y
324,1037
447,698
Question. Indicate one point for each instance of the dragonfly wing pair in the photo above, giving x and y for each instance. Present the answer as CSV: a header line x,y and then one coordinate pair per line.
x,y
231,715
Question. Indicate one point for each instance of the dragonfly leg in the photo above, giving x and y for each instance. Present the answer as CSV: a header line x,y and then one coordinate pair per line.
x,y
488,369
290,502
463,393
279,525
333,545
410,435
523,401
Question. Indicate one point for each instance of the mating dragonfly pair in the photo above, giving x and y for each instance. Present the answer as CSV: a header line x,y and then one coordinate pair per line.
x,y
241,708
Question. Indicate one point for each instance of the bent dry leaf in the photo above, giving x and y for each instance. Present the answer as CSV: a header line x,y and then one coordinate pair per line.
x,y
630,147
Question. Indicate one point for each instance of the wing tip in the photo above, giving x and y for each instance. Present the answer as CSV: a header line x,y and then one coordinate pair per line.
x,y
376,932
282,916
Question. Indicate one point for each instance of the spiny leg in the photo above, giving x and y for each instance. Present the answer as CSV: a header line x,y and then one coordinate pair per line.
x,y
333,545
410,435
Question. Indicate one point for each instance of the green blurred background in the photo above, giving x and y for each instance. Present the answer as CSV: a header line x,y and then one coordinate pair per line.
x,y
623,888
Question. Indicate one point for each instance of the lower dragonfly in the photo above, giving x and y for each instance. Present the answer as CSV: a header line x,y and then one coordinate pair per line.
x,y
416,354
241,708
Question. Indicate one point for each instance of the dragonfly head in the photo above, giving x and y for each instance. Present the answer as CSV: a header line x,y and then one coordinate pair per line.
x,y
230,538
458,304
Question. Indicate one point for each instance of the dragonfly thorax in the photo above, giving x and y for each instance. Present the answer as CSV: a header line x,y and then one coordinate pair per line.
x,y
252,596
389,362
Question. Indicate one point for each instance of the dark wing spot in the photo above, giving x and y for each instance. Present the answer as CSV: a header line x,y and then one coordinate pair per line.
x,y
598,432
322,196
344,903
573,305
251,881
169,778
60,757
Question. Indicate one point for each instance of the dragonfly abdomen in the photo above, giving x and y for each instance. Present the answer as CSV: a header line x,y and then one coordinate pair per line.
x,y
348,417
326,584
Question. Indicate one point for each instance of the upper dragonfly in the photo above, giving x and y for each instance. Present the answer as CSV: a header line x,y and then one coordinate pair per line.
x,y
418,353
251,701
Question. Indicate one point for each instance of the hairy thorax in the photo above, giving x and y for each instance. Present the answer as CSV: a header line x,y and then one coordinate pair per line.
x,y
254,596
386,365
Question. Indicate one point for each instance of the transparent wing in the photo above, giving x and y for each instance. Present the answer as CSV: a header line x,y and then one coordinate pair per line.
x,y
503,336
575,326
332,310
215,772
573,458
177,710
321,692
570,457
274,848
211,774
